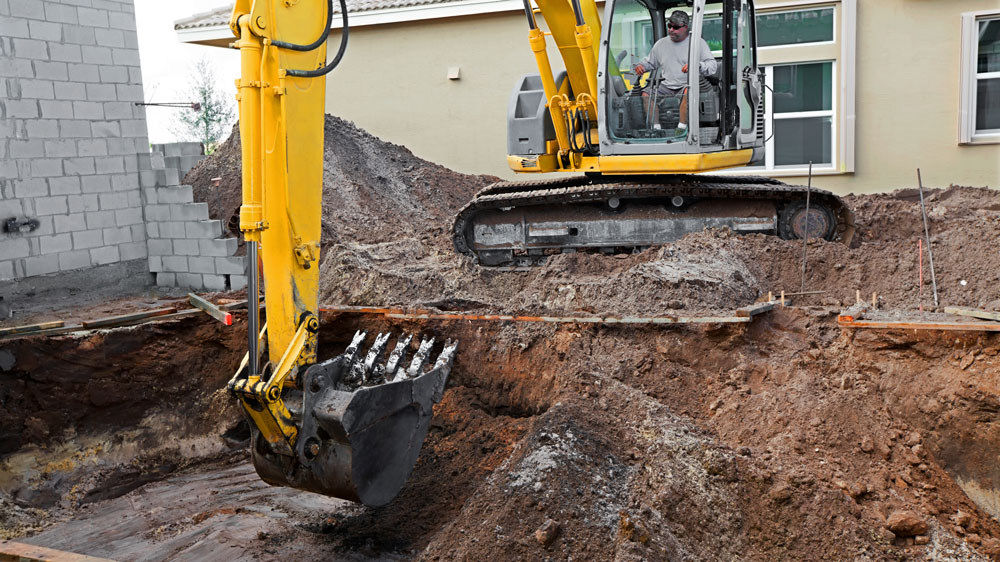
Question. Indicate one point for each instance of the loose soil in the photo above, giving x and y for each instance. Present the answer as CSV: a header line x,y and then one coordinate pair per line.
x,y
787,438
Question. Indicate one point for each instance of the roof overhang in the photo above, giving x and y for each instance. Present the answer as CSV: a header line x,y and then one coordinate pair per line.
x,y
220,35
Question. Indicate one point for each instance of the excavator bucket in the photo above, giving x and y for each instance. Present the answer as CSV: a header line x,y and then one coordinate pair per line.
x,y
361,421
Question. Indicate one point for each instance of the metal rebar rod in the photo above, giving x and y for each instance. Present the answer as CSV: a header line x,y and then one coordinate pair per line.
x,y
253,304
930,253
805,238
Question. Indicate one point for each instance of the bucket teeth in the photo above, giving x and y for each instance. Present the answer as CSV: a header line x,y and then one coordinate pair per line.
x,y
447,354
374,369
355,370
369,370
396,358
420,358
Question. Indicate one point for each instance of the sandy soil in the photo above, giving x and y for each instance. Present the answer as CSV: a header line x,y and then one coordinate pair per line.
x,y
784,439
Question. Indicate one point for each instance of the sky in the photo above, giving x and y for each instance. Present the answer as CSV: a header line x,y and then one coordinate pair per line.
x,y
166,62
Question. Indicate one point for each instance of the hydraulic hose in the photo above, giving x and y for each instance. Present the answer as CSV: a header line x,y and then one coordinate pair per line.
x,y
326,32
317,42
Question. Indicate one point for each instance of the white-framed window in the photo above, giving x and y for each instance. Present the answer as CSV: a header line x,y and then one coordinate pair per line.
x,y
807,50
799,115
980,88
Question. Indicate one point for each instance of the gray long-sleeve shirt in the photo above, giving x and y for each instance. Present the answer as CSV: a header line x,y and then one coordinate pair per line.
x,y
670,56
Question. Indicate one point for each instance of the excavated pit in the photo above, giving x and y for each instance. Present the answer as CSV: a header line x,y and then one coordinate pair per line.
x,y
787,438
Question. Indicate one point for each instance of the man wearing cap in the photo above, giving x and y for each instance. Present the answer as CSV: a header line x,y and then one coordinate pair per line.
x,y
670,56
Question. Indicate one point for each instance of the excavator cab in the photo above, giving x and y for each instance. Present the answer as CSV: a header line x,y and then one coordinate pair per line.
x,y
350,426
642,113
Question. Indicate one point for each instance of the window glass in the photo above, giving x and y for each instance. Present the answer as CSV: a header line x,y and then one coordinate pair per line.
x,y
803,87
792,28
803,140
989,46
988,105
712,31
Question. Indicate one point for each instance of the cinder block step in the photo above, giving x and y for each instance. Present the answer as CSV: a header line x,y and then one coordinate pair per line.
x,y
164,177
218,247
151,161
183,163
208,229
169,194
188,211
179,148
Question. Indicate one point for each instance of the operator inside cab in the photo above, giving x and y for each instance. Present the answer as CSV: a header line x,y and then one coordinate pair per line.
x,y
668,63
657,46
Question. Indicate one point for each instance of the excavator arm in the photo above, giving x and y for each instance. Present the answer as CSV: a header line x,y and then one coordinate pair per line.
x,y
351,426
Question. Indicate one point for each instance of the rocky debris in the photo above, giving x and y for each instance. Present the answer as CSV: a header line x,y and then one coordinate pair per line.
x,y
906,523
547,532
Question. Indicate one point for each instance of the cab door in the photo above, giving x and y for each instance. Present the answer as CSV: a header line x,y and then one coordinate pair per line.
x,y
748,96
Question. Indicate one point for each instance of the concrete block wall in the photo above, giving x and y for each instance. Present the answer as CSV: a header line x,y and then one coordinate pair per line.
x,y
186,248
70,135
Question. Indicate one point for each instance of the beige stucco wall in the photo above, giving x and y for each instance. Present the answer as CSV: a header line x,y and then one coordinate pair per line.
x,y
394,84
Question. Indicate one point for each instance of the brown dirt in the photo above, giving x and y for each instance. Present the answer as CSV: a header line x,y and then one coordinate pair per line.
x,y
784,439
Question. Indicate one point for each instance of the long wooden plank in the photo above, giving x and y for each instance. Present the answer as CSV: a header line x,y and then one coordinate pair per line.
x,y
210,309
959,326
11,551
31,328
973,312
427,315
126,318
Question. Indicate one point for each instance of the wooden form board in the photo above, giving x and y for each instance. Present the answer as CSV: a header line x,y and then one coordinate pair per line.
x,y
904,325
11,551
973,312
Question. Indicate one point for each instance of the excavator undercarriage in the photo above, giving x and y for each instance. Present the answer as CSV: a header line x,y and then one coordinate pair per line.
x,y
521,223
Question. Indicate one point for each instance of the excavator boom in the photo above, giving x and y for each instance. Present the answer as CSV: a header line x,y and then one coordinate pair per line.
x,y
351,426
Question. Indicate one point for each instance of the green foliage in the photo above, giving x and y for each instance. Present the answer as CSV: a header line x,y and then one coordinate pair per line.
x,y
211,115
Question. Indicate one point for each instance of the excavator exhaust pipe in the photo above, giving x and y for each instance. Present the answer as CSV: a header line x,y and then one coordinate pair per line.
x,y
362,421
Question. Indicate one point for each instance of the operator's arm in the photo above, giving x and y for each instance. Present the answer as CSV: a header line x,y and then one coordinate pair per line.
x,y
707,65
649,63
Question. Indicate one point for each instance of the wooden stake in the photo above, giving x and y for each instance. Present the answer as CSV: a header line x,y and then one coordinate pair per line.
x,y
874,300
920,286
927,235
782,298
857,296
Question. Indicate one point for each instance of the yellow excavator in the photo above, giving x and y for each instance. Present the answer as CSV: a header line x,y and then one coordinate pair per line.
x,y
352,426
637,135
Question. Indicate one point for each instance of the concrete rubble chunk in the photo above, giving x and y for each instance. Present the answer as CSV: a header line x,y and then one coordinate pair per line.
x,y
547,532
906,523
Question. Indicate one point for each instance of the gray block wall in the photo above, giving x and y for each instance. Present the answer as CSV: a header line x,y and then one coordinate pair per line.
x,y
186,248
70,135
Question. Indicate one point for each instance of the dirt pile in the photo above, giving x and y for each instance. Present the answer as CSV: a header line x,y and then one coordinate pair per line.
x,y
386,238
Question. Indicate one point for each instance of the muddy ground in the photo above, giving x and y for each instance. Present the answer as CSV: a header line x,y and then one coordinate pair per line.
x,y
788,438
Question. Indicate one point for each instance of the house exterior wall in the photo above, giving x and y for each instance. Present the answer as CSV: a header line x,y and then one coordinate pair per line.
x,y
70,134
906,85
907,90
393,82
